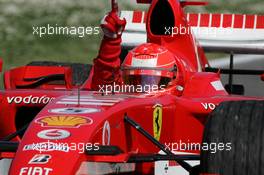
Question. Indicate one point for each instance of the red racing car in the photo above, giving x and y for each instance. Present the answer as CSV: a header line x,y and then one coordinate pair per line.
x,y
150,104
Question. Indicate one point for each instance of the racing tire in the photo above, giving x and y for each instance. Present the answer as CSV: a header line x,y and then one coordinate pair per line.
x,y
241,124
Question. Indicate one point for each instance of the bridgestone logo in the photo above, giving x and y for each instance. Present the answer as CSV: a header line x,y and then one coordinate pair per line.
x,y
30,99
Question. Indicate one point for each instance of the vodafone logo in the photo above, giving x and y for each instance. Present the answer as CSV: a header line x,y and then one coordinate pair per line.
x,y
29,99
53,134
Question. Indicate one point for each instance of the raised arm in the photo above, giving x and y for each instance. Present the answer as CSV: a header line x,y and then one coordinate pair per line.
x,y
106,69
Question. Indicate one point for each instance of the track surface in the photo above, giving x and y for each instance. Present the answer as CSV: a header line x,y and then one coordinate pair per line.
x,y
4,165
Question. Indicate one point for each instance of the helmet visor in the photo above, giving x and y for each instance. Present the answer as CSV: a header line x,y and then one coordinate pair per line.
x,y
147,81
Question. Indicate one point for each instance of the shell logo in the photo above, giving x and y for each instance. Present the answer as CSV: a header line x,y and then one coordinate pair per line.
x,y
64,121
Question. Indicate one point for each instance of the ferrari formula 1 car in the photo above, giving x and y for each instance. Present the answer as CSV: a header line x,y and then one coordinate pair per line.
x,y
51,125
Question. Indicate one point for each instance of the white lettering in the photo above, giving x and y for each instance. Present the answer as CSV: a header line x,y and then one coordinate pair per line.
x,y
10,99
35,171
23,170
207,106
29,100
18,100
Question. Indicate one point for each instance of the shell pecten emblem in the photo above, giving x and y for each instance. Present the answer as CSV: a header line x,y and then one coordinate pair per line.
x,y
157,121
70,121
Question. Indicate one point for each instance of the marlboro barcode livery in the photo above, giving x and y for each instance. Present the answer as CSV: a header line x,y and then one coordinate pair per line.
x,y
237,21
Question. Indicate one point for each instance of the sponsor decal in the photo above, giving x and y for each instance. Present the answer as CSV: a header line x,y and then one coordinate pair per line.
x,y
40,159
209,106
29,99
35,171
218,86
64,121
74,110
46,146
85,103
157,121
106,137
88,101
53,134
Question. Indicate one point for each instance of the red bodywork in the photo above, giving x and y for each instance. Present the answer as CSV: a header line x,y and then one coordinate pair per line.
x,y
185,108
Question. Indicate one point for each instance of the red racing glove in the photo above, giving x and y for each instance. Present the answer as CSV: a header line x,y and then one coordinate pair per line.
x,y
106,69
112,25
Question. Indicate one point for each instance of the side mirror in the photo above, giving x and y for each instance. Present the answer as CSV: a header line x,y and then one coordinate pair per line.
x,y
235,89
262,77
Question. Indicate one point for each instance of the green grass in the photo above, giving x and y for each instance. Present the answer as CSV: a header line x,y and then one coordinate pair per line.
x,y
18,46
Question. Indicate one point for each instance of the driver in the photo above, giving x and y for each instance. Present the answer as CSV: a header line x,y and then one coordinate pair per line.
x,y
147,64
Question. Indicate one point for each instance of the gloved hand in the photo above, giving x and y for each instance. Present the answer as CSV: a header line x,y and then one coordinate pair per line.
x,y
112,25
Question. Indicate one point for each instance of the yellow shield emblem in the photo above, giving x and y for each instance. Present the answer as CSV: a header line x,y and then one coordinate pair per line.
x,y
64,121
157,121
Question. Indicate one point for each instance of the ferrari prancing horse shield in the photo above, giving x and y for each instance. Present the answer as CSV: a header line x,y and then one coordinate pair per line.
x,y
157,121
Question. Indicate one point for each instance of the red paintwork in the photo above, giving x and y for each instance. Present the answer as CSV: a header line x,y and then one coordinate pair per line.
x,y
7,155
183,4
185,107
137,17
260,23
1,65
26,75
216,20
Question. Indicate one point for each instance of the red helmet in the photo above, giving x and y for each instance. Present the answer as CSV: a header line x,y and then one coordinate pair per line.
x,y
149,64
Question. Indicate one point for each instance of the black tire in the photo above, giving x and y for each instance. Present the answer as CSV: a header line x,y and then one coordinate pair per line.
x,y
240,123
80,71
